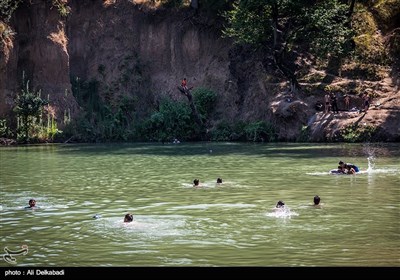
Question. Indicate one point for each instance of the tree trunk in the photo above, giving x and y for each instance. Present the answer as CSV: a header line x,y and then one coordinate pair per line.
x,y
275,23
279,49
192,106
294,84
351,8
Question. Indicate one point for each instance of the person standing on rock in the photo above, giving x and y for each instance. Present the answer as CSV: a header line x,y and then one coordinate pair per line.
x,y
335,108
327,103
346,102
366,102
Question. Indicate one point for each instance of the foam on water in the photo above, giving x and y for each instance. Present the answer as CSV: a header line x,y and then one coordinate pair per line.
x,y
284,212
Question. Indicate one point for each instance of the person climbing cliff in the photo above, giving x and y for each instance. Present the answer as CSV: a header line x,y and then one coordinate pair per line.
x,y
184,84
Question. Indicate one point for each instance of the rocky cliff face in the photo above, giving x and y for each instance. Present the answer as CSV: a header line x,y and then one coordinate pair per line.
x,y
141,53
40,51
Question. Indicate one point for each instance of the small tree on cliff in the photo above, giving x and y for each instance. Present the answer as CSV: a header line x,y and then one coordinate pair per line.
x,y
280,25
28,107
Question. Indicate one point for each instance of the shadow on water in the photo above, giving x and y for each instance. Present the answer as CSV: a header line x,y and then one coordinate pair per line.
x,y
291,150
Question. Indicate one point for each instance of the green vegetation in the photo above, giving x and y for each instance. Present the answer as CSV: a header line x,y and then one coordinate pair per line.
x,y
357,39
5,130
100,121
62,7
7,8
358,133
281,26
172,120
204,100
258,131
304,134
29,108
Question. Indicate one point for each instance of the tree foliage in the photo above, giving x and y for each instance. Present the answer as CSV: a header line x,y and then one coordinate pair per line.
x,y
327,26
28,107
323,24
7,8
279,25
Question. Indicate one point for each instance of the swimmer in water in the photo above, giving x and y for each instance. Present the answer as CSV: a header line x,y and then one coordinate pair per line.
x,y
339,170
128,218
196,183
280,204
351,168
32,204
219,181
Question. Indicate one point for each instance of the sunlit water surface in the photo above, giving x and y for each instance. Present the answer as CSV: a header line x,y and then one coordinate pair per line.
x,y
175,224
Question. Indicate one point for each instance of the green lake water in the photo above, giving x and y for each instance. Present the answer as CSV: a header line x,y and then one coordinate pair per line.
x,y
175,224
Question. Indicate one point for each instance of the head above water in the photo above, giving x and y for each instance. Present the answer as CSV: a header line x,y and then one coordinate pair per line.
x,y
219,181
280,204
196,182
317,199
32,202
128,218
341,163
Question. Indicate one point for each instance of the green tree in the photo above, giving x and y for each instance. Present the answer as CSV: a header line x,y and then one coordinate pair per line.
x,y
327,26
7,8
279,25
28,107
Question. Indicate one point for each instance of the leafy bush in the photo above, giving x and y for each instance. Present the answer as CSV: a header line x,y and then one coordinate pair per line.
x,y
204,100
7,8
357,133
304,134
5,130
258,131
172,120
62,7
29,108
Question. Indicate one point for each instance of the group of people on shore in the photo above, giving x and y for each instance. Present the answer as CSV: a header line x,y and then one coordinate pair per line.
x,y
331,103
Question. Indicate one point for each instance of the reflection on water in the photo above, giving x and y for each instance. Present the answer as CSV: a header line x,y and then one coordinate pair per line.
x,y
84,191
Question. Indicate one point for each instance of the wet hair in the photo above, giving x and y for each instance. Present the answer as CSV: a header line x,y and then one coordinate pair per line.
x,y
32,201
196,182
128,218
219,181
317,199
341,162
280,204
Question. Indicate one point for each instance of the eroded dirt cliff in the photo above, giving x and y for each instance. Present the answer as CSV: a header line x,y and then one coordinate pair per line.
x,y
133,51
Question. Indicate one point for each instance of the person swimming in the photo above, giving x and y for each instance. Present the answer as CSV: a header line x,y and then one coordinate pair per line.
x,y
280,204
317,199
219,181
32,204
196,182
349,167
339,170
128,218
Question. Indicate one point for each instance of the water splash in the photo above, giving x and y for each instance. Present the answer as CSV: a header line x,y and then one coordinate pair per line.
x,y
283,212
371,164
